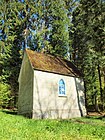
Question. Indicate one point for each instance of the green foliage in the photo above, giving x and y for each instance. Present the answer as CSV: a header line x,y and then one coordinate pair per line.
x,y
58,27
5,95
88,46
59,35
51,27
17,127
39,25
11,41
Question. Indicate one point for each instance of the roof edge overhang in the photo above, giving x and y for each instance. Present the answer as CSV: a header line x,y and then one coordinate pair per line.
x,y
58,73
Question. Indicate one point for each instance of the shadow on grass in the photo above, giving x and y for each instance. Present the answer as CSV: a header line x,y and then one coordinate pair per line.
x,y
11,112
81,120
96,117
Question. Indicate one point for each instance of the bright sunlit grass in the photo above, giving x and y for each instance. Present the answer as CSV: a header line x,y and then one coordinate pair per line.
x,y
14,127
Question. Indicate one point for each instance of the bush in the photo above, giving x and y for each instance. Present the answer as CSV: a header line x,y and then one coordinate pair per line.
x,y
5,95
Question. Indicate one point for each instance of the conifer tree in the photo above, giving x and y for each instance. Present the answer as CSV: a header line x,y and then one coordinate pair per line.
x,y
52,27
13,24
88,43
36,24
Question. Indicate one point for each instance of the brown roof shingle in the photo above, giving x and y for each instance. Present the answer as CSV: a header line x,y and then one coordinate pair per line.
x,y
49,63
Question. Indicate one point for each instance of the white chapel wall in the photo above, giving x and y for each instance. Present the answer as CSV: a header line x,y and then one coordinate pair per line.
x,y
25,88
46,100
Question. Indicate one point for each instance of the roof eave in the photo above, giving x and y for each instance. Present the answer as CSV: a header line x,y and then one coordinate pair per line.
x,y
58,73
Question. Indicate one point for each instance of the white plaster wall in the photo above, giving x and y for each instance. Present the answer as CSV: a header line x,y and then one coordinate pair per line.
x,y
48,104
25,97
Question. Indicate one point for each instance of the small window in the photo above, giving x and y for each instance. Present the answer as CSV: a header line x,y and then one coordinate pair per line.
x,y
61,87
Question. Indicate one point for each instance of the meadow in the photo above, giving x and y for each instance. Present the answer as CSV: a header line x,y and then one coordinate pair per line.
x,y
15,127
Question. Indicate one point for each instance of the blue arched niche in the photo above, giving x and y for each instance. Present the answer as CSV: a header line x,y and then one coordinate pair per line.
x,y
62,87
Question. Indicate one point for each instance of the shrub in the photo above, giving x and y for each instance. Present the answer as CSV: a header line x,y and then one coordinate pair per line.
x,y
5,95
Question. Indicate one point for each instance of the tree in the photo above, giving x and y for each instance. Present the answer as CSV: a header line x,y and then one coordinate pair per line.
x,y
88,41
38,25
52,27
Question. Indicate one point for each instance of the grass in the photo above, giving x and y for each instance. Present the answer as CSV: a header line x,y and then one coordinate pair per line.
x,y
14,127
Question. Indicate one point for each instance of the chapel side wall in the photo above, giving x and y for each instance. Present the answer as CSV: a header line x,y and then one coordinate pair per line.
x,y
80,95
46,101
25,99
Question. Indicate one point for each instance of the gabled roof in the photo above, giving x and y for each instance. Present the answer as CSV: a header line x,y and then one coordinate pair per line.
x,y
49,63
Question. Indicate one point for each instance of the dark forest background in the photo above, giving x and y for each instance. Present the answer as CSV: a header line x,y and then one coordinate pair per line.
x,y
72,29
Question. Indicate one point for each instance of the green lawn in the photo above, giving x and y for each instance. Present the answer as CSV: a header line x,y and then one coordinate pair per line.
x,y
14,127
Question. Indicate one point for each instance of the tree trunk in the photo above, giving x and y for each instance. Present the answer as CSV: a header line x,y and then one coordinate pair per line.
x,y
100,83
96,104
104,88
85,97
